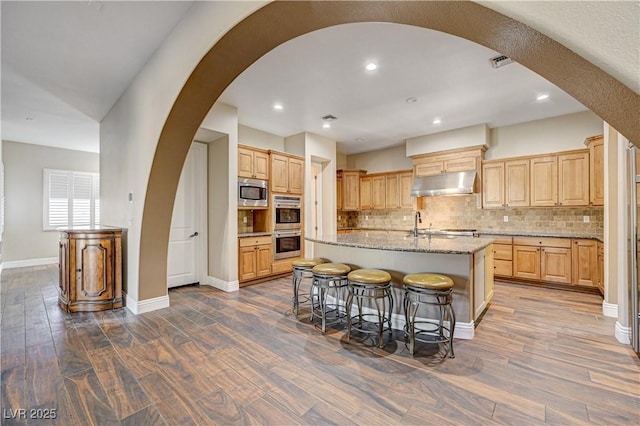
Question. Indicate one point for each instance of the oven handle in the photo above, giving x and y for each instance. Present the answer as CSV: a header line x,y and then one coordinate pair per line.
x,y
291,233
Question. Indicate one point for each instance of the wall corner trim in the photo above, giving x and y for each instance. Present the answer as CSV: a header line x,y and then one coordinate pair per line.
x,y
609,309
29,262
148,305
623,334
228,286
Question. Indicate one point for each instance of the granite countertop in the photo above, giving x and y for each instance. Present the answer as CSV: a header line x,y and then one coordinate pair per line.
x,y
555,234
395,242
254,234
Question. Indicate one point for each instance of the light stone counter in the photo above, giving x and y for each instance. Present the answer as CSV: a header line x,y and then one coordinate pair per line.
x,y
467,261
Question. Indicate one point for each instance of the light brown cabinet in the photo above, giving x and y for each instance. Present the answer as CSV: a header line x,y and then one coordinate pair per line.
x,y
255,255
505,184
339,193
502,255
378,192
585,263
596,170
287,173
253,163
545,259
560,180
601,267
392,192
90,269
433,164
544,181
365,193
405,184
350,188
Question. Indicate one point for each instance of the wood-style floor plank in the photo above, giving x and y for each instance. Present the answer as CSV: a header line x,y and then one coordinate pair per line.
x,y
539,356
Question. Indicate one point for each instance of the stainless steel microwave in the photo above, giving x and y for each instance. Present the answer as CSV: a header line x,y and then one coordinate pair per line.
x,y
253,192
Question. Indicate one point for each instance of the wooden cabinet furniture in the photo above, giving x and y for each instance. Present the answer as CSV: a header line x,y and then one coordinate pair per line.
x,y
601,268
585,263
90,269
255,255
596,169
560,180
505,183
339,193
405,183
365,193
350,188
287,173
392,191
253,162
545,259
455,160
502,255
378,192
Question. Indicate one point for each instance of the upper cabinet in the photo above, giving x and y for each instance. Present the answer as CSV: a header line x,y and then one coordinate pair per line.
x,y
596,169
350,181
378,192
505,184
287,173
253,163
365,193
405,182
459,160
560,180
544,181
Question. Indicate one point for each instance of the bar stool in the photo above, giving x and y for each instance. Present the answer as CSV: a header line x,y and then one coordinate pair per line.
x,y
328,278
430,290
370,285
301,269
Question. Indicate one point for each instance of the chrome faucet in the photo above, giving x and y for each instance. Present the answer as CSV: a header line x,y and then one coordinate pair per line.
x,y
417,218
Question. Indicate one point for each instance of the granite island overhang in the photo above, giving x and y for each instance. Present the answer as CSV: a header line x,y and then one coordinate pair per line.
x,y
467,260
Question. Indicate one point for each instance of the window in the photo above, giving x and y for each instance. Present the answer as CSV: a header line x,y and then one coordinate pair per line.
x,y
70,198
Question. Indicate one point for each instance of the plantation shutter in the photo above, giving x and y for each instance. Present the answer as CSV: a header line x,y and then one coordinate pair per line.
x,y
70,198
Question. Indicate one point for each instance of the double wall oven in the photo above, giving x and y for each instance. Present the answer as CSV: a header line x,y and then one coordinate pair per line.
x,y
287,234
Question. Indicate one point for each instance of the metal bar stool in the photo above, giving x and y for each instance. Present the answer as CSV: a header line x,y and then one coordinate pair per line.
x,y
370,285
301,269
430,290
328,278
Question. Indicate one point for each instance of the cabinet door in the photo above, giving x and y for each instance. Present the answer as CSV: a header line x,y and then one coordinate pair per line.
x,y
392,194
339,193
351,191
64,268
503,268
261,165
247,263
365,193
264,257
585,260
596,172
296,176
573,179
493,185
406,182
544,181
555,264
378,188
245,163
461,164
526,262
279,173
94,269
601,267
429,168
516,183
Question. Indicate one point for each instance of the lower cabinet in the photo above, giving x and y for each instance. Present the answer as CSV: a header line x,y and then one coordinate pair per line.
x,y
526,262
601,267
255,256
585,263
545,259
555,264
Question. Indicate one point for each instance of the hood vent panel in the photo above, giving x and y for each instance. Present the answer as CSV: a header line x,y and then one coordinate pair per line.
x,y
444,184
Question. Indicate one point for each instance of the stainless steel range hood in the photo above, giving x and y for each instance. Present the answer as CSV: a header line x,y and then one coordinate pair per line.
x,y
444,184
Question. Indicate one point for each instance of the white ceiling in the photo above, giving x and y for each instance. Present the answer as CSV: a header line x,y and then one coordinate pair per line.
x,y
64,65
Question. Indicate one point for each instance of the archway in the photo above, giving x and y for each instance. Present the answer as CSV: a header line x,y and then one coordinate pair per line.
x,y
279,22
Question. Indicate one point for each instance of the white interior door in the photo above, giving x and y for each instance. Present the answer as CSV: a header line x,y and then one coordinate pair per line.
x,y
186,236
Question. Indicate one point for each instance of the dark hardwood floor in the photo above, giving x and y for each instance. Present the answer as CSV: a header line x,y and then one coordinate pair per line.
x,y
540,356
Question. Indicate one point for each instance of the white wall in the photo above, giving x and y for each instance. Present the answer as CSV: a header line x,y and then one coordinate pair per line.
x,y
24,238
295,144
556,134
260,139
382,160
452,139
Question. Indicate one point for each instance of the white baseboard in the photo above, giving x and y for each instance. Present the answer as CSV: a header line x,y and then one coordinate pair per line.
x,y
609,309
623,334
8,264
148,305
228,286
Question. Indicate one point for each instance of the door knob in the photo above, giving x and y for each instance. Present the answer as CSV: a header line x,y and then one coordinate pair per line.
x,y
195,234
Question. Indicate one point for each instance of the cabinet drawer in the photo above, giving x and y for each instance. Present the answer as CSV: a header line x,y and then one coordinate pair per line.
x,y
254,241
503,268
498,239
542,241
502,251
282,266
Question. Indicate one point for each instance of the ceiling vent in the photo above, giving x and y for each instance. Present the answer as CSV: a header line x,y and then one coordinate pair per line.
x,y
500,61
329,118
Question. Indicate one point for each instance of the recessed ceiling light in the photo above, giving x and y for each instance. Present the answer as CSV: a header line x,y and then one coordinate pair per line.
x,y
326,126
437,121
277,107
359,140
542,97
371,66
28,118
412,100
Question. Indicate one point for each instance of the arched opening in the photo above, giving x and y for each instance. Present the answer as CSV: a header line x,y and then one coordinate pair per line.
x,y
279,22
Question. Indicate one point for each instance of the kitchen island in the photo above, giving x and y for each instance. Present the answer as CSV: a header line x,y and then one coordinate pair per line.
x,y
467,260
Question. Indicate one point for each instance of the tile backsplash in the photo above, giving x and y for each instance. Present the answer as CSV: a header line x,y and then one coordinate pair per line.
x,y
244,227
462,212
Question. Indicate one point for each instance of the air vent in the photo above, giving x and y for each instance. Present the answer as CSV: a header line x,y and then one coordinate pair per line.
x,y
500,61
329,117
